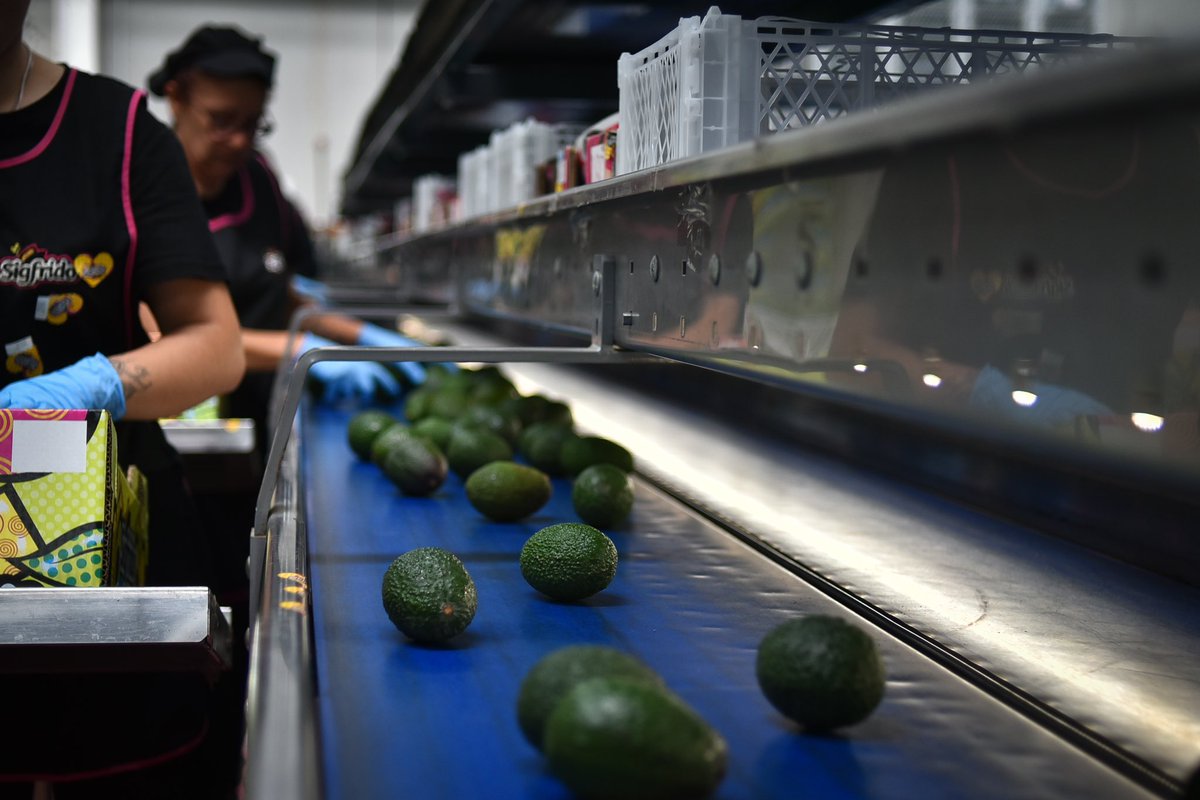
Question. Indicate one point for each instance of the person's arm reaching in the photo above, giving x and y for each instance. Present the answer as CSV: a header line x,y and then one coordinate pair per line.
x,y
198,355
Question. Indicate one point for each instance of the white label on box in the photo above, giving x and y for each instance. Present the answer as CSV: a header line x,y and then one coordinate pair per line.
x,y
19,346
49,445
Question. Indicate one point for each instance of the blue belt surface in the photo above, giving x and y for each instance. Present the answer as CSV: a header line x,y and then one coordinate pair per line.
x,y
400,720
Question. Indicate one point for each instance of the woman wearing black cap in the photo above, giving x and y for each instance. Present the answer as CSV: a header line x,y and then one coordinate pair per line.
x,y
97,215
217,84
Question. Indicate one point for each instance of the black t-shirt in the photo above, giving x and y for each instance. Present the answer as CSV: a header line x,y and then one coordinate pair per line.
x,y
96,206
89,177
262,241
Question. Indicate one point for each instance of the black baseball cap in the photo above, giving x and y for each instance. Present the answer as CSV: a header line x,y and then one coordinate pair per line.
x,y
222,52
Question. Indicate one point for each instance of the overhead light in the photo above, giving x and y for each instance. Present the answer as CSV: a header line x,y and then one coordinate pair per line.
x,y
860,367
931,380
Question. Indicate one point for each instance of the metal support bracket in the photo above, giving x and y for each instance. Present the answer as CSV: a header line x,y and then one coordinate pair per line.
x,y
601,351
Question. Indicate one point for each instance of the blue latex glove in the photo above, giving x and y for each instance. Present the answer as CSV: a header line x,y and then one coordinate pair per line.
x,y
375,336
310,289
91,382
349,379
1055,405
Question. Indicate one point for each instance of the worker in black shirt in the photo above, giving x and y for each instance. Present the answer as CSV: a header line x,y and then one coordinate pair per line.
x,y
217,83
97,215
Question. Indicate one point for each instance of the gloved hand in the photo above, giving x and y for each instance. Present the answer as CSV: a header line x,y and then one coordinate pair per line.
x,y
355,379
90,382
1054,406
310,289
375,336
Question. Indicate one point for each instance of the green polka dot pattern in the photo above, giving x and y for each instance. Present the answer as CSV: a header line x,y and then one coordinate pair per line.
x,y
56,504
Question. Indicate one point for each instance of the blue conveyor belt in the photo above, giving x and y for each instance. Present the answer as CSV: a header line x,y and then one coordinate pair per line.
x,y
400,720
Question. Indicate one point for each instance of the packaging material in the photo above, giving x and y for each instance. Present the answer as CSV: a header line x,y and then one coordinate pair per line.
x,y
600,155
568,169
506,171
68,515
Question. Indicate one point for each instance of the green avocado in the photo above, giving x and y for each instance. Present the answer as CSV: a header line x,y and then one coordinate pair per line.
x,y
505,491
557,673
415,465
569,561
429,595
580,452
619,738
541,444
821,672
488,418
602,496
364,427
470,448
435,429
416,405
384,441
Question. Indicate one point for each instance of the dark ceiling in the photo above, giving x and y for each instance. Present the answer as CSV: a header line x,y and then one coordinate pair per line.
x,y
472,66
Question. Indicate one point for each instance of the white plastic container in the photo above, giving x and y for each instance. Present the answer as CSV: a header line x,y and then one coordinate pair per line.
x,y
473,182
721,80
432,202
503,173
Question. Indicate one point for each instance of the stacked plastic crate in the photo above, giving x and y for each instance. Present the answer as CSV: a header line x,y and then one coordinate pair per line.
x,y
504,173
721,80
433,201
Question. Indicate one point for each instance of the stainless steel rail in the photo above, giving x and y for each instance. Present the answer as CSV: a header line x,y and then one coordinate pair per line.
x,y
115,629
281,738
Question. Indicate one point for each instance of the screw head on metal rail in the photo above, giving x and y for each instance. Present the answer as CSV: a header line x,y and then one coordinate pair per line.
x,y
654,268
754,268
597,281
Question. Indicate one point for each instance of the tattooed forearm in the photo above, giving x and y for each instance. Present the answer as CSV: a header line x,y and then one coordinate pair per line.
x,y
134,377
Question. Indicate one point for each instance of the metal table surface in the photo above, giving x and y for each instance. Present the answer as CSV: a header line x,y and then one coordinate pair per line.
x,y
398,719
113,629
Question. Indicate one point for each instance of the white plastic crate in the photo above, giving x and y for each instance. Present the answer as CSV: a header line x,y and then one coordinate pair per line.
x,y
531,143
432,200
720,80
502,173
473,181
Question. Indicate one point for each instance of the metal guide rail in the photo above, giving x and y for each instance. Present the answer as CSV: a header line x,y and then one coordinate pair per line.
x,y
396,719
1007,263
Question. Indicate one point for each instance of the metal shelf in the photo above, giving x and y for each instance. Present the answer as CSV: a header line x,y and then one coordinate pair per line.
x,y
220,436
473,66
143,629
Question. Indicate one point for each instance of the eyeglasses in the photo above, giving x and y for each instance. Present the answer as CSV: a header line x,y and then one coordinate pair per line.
x,y
224,124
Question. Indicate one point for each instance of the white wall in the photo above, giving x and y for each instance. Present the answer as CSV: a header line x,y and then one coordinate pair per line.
x,y
333,59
